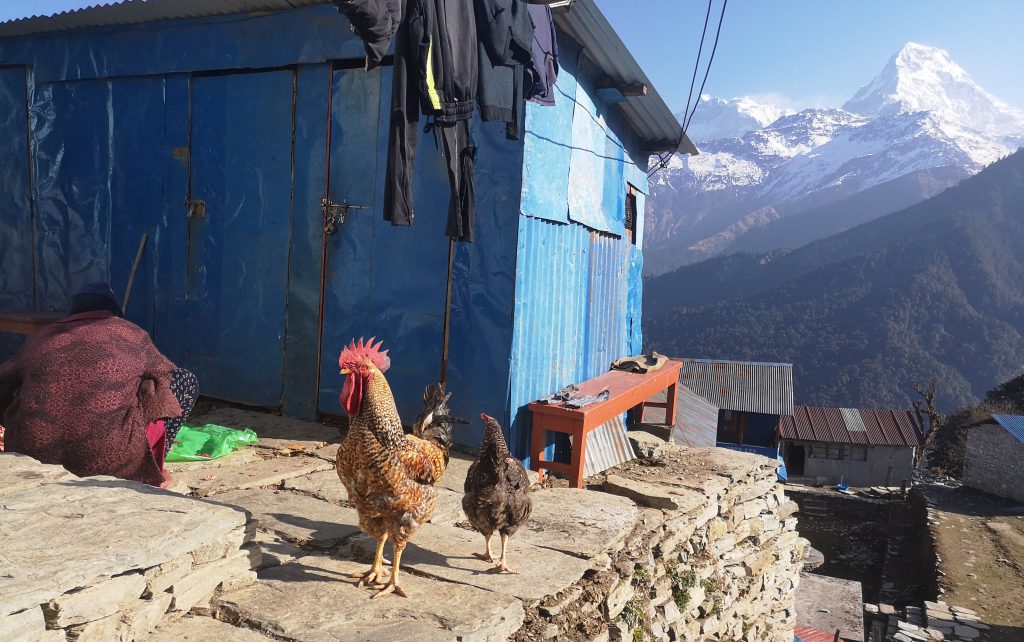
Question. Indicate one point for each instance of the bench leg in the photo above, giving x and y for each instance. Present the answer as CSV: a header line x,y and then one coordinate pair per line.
x,y
579,450
537,448
670,407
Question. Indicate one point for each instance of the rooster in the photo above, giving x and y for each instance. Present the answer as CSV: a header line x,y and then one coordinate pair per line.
x,y
497,492
390,477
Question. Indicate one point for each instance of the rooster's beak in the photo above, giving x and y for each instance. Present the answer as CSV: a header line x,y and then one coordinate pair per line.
x,y
345,371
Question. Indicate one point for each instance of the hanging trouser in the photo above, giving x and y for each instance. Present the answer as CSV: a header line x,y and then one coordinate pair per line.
x,y
459,157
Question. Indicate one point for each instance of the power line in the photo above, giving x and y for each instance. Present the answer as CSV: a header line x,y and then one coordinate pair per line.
x,y
664,159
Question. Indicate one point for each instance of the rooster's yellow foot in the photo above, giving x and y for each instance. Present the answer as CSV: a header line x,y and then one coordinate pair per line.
x,y
390,588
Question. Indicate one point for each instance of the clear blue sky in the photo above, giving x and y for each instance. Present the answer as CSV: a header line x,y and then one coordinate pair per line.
x,y
804,52
818,52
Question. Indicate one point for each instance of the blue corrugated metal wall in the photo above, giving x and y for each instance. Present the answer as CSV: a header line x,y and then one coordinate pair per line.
x,y
577,279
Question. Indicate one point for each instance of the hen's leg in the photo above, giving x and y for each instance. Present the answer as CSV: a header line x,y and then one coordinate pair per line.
x,y
376,571
486,556
502,567
393,586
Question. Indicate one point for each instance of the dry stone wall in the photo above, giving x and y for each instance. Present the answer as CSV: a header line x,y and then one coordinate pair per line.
x,y
994,462
714,555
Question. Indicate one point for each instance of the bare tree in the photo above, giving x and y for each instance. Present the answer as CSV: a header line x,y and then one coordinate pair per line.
x,y
926,406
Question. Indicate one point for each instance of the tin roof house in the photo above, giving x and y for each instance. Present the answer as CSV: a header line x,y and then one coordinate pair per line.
x,y
245,139
849,446
994,456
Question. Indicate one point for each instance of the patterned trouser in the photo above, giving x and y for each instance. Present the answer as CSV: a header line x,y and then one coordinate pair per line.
x,y
185,387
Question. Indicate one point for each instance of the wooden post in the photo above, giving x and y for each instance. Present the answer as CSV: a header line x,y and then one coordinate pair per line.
x,y
135,267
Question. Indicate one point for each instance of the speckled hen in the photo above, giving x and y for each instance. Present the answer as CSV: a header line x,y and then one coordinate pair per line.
x,y
497,492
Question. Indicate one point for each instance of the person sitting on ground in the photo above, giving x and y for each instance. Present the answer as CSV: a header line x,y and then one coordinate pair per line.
x,y
92,393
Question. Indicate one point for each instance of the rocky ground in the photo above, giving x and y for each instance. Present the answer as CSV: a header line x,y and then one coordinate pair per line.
x,y
979,541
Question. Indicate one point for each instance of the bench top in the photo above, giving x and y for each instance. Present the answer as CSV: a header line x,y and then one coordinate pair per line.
x,y
625,390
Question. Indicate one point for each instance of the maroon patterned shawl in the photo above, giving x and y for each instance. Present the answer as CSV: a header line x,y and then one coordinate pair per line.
x,y
81,392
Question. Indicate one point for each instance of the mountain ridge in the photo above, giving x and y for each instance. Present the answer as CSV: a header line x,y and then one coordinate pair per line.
x,y
933,289
921,111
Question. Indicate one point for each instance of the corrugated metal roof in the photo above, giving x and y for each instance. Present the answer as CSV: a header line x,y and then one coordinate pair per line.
x,y
126,12
851,426
648,115
1014,424
742,386
696,420
652,119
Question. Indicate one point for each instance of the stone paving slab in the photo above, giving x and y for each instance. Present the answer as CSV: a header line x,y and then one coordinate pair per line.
x,y
275,551
323,485
20,472
446,552
448,509
64,535
240,470
577,521
203,629
324,605
297,518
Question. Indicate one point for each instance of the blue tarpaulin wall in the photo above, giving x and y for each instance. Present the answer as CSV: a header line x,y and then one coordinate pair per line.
x,y
104,134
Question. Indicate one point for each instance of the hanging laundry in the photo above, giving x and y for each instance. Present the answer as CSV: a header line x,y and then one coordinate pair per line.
x,y
436,73
507,75
374,21
545,55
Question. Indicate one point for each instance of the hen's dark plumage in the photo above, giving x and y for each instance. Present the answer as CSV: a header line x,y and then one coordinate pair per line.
x,y
497,491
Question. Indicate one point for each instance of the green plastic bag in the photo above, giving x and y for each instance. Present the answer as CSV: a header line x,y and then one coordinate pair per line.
x,y
210,441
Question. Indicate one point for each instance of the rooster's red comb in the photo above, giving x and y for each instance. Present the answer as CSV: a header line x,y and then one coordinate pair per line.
x,y
362,351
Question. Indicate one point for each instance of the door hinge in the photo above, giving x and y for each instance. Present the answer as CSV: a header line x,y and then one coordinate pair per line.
x,y
335,214
195,208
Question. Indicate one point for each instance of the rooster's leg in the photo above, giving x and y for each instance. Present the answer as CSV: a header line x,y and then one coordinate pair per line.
x,y
486,555
376,571
393,586
502,567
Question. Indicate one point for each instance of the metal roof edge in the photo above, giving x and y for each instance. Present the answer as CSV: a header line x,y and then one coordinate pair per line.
x,y
129,12
648,115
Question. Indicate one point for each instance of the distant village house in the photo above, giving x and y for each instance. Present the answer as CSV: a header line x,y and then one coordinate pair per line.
x,y
849,446
994,461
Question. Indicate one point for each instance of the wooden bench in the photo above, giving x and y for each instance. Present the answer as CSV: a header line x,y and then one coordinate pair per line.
x,y
26,322
628,391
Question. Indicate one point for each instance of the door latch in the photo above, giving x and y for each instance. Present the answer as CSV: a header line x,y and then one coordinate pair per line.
x,y
335,214
195,208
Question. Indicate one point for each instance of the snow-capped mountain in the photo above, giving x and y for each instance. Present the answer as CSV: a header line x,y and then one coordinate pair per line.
x,y
917,128
717,118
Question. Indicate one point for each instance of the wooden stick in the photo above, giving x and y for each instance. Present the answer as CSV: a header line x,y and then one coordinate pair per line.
x,y
135,267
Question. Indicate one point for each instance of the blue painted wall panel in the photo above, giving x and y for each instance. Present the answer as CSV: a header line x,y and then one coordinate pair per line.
x,y
16,287
549,148
634,302
551,308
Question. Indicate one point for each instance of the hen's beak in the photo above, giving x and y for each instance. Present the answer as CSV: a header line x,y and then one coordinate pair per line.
x,y
345,371
486,418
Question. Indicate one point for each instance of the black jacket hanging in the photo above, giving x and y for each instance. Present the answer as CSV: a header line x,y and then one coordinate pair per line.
x,y
436,73
374,21
507,75
545,55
